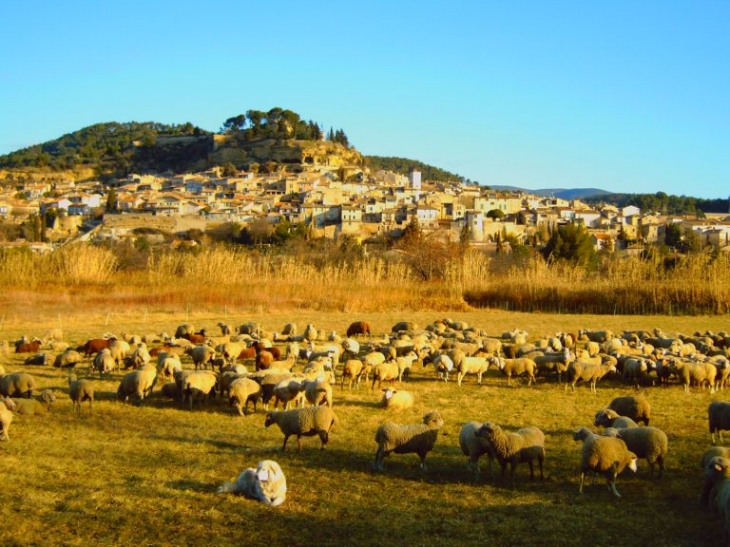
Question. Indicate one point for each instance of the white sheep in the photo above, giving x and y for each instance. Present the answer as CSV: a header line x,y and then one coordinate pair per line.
x,y
137,384
289,392
407,439
241,391
606,455
17,384
707,456
80,391
472,365
587,372
352,370
104,363
318,391
522,446
30,407
386,371
201,355
396,400
518,367
607,417
474,447
6,418
649,443
266,484
303,422
199,385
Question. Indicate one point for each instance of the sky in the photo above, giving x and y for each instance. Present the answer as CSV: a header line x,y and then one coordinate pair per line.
x,y
624,96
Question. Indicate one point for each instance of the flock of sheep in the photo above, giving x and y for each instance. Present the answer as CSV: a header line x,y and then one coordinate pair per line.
x,y
251,366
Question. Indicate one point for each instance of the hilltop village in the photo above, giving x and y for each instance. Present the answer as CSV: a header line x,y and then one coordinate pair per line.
x,y
332,203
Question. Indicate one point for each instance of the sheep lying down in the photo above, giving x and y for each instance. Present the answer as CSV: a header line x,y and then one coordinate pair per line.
x,y
266,484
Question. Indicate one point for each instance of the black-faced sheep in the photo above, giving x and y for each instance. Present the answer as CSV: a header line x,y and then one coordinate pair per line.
x,y
523,446
606,455
266,484
475,447
303,422
707,456
649,443
636,407
407,439
717,479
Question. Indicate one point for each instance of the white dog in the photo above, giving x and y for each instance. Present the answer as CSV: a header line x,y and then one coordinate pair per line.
x,y
266,483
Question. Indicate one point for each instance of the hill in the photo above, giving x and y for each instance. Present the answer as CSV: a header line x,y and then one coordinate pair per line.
x,y
564,193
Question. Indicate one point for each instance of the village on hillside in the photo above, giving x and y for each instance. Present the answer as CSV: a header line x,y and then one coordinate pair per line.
x,y
332,203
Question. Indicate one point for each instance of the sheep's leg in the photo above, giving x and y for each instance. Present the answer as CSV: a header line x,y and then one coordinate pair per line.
x,y
582,478
324,437
532,471
286,438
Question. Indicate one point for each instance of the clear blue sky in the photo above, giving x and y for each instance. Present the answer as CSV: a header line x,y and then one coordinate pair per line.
x,y
627,96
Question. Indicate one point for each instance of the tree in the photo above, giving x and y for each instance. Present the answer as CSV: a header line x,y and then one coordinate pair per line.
x,y
111,200
229,170
570,242
495,214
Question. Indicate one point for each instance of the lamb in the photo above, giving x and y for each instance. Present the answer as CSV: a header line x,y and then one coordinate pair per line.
x,y
266,483
649,443
518,367
588,372
31,407
17,384
636,407
396,400
475,447
610,418
405,362
718,413
307,422
523,446
80,391
407,439
241,392
606,455
6,418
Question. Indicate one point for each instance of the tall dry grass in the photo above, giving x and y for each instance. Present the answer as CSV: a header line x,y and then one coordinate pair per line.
x,y
237,278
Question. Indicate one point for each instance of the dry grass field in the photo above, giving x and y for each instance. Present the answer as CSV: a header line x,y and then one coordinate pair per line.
x,y
148,475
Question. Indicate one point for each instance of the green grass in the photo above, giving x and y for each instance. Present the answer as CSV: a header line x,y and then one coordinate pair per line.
x,y
148,475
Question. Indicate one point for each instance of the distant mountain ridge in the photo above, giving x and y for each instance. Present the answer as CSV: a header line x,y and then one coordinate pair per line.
x,y
563,193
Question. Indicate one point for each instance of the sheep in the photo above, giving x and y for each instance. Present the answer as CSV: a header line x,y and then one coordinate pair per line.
x,y
352,369
30,407
307,422
140,356
137,384
201,355
68,359
6,418
717,475
104,363
636,407
199,385
404,326
407,439
405,362
707,456
241,392
289,391
396,400
182,330
37,359
635,369
606,455
443,364
350,348
649,443
225,329
607,417
523,446
588,372
556,362
17,384
80,391
718,413
475,447
167,364
472,365
517,367
699,373
266,483
386,371
599,336
318,391
358,328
